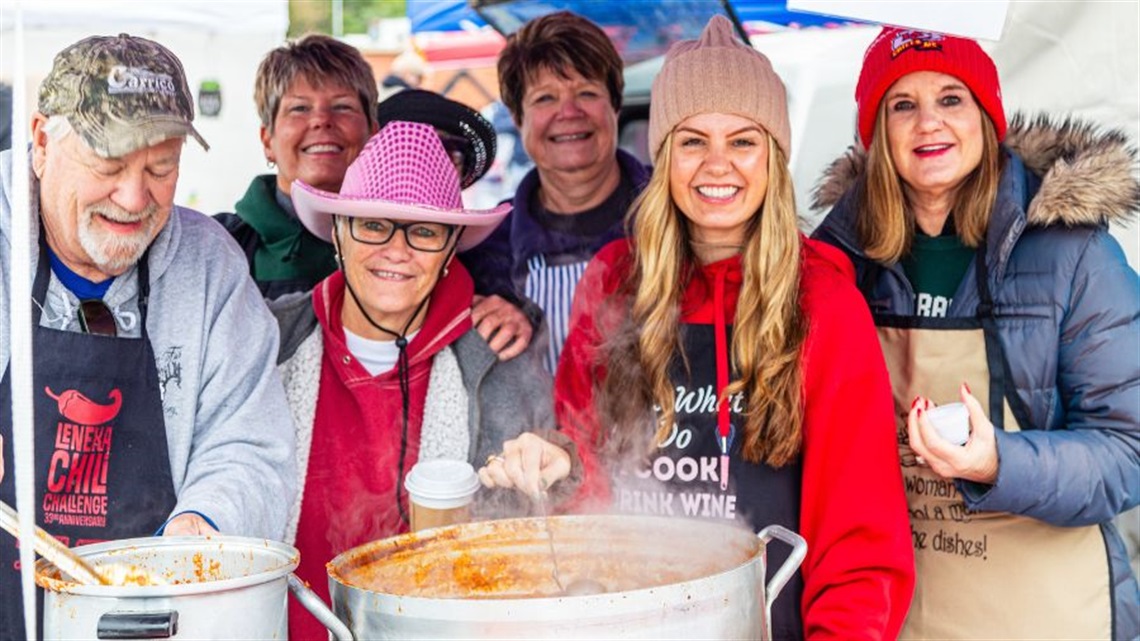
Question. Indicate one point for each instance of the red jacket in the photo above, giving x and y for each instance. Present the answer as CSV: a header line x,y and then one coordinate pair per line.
x,y
858,576
353,471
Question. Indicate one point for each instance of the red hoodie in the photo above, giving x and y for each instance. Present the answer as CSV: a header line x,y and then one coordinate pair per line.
x,y
353,471
844,495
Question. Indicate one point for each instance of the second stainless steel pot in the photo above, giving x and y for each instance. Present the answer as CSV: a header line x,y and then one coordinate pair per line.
x,y
219,587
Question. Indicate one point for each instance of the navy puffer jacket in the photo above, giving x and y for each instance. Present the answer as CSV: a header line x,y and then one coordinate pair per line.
x,y
1068,308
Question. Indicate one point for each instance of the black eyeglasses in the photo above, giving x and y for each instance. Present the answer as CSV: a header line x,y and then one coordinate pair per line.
x,y
425,237
96,318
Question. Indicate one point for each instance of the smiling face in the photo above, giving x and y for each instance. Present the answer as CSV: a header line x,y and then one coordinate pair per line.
x,y
568,124
101,214
391,280
934,131
317,132
718,175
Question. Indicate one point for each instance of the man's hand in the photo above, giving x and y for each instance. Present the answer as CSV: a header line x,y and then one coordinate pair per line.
x,y
505,327
188,524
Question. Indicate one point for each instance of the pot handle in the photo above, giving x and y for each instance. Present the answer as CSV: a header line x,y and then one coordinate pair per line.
x,y
132,624
791,564
317,607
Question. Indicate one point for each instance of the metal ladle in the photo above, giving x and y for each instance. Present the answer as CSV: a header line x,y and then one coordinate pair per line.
x,y
577,587
50,548
541,500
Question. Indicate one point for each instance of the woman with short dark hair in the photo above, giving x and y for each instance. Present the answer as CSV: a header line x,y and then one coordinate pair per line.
x,y
561,79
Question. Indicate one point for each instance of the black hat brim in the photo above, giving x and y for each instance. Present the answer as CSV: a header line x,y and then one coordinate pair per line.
x,y
454,118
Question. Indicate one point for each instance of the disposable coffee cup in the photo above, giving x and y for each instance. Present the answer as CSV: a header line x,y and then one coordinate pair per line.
x,y
951,421
440,493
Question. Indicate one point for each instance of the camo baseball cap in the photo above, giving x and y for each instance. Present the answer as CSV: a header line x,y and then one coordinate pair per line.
x,y
121,93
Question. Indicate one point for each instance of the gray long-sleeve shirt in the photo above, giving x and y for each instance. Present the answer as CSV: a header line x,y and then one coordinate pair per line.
x,y
228,427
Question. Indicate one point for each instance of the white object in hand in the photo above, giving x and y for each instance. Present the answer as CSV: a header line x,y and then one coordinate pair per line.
x,y
951,421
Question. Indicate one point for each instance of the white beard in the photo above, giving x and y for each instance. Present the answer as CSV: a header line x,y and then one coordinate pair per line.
x,y
114,253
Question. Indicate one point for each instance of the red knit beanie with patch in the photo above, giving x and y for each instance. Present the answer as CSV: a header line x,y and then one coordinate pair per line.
x,y
897,52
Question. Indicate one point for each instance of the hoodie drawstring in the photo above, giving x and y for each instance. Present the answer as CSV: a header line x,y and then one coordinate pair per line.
x,y
724,428
403,373
403,369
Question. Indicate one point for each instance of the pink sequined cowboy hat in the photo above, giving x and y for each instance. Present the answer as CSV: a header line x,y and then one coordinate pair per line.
x,y
403,173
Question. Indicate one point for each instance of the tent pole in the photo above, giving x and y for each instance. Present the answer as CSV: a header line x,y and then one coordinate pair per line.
x,y
20,327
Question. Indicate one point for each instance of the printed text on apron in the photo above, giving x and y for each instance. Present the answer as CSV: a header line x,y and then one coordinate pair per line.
x,y
102,469
984,574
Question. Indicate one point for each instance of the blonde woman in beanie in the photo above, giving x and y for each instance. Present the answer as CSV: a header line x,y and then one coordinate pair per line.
x,y
721,366
984,253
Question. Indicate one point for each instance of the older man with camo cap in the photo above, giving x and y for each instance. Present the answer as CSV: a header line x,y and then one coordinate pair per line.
x,y
157,405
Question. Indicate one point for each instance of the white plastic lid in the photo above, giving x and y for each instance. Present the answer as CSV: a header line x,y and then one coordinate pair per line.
x,y
442,484
952,421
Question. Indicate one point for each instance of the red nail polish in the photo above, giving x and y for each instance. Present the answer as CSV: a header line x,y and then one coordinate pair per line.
x,y
914,402
919,412
967,386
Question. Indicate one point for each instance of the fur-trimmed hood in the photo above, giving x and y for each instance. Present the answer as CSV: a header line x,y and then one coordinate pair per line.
x,y
1089,175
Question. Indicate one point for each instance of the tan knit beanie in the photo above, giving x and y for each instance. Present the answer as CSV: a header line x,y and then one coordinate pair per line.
x,y
717,74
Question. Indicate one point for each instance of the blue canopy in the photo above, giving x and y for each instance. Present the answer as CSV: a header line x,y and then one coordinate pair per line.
x,y
449,15
441,15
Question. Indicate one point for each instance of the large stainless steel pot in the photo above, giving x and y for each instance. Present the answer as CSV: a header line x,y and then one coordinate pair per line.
x,y
218,587
666,578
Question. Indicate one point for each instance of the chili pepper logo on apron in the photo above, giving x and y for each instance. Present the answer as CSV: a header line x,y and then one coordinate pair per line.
x,y
77,475
77,408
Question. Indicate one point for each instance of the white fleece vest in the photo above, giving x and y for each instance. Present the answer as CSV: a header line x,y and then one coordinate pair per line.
x,y
444,434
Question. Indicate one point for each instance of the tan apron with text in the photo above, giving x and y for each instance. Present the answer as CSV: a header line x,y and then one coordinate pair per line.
x,y
984,575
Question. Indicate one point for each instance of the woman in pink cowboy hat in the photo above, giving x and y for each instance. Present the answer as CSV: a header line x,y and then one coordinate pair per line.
x,y
381,363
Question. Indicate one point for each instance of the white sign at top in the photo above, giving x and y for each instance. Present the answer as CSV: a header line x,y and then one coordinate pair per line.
x,y
983,19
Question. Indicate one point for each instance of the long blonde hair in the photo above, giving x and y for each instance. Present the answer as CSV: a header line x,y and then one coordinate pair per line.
x,y
885,224
768,330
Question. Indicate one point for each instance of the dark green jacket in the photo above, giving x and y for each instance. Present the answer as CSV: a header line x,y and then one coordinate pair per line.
x,y
283,256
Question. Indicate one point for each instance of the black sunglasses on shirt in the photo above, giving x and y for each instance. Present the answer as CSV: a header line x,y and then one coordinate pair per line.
x,y
96,318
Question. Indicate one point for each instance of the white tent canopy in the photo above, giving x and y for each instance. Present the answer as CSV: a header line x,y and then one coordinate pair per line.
x,y
241,16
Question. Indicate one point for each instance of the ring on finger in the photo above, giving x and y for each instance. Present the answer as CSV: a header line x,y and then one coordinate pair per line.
x,y
495,457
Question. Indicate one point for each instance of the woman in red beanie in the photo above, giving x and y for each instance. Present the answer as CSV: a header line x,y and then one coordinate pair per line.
x,y
722,366
984,254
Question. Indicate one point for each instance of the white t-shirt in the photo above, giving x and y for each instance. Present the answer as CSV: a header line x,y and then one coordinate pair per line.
x,y
376,356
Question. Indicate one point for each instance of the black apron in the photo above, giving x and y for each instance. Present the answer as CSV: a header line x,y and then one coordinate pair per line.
x,y
987,575
102,468
685,474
